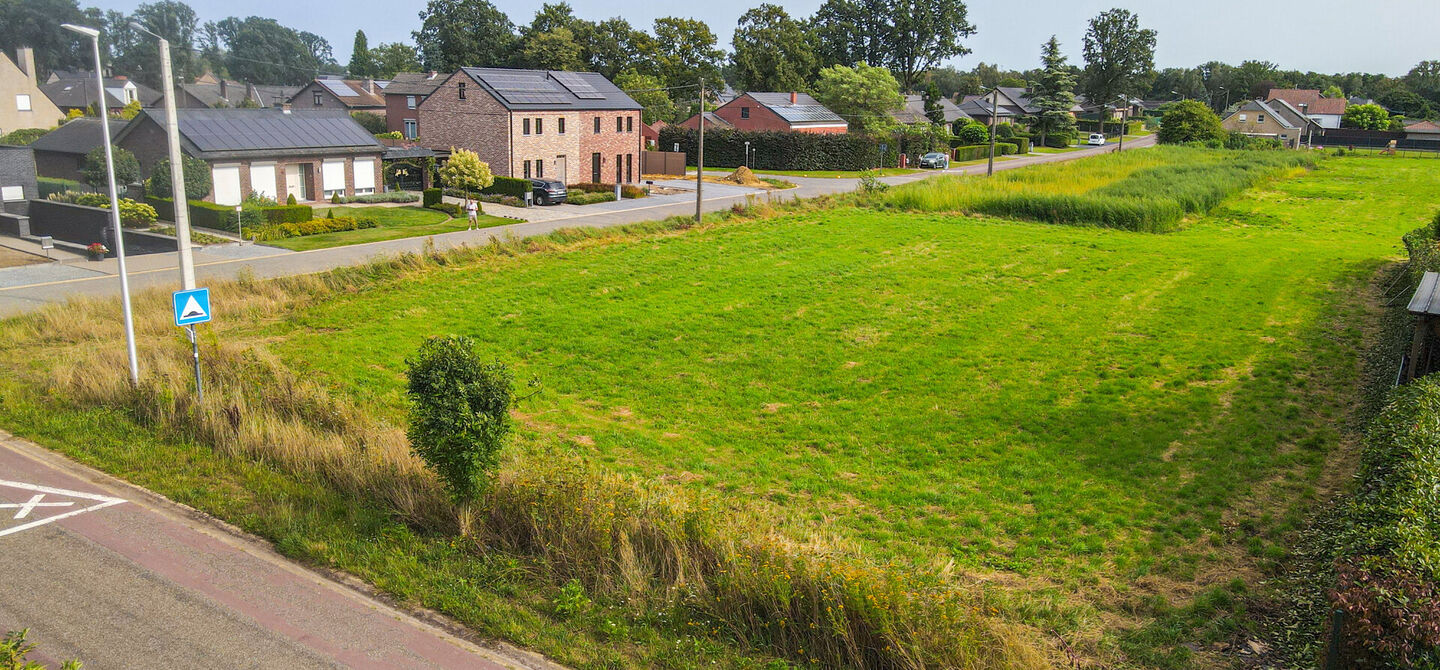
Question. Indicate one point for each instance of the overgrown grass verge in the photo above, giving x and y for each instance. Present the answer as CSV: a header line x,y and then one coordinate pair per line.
x,y
1144,191
642,546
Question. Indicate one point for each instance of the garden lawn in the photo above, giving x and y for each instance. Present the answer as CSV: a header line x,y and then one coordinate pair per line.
x,y
393,223
819,174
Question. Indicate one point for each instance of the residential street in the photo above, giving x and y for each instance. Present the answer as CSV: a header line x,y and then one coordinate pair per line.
x,y
127,579
158,270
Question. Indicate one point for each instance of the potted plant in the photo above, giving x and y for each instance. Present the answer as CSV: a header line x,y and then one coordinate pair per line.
x,y
97,251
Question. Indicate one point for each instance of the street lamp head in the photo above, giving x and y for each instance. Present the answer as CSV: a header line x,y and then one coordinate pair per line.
x,y
136,25
88,32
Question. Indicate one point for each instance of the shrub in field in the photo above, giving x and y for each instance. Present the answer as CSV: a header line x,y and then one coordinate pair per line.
x,y
973,133
1189,121
459,413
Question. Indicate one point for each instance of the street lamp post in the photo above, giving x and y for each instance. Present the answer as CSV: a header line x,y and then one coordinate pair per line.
x,y
94,36
177,172
747,154
1309,128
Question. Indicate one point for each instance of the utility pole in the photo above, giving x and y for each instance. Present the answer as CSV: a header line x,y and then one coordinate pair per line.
x,y
994,103
177,172
700,154
1124,121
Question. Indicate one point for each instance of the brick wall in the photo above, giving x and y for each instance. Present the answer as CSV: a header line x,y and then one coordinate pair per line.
x,y
761,118
148,142
548,144
59,165
478,123
397,109
609,143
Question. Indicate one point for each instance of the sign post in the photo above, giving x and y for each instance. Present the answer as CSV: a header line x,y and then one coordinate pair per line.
x,y
193,307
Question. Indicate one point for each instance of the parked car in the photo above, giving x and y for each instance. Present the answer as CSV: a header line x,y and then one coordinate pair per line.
x,y
1096,140
548,192
936,160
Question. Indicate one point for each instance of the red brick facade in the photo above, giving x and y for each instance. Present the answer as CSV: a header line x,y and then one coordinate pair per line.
x,y
306,100
746,113
397,110
498,135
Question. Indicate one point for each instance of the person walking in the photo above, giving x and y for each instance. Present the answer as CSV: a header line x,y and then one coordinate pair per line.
x,y
472,211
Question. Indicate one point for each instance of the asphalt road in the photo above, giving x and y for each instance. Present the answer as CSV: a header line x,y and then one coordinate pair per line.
x,y
145,583
158,270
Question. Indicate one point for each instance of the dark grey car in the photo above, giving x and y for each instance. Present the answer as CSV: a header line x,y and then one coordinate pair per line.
x,y
547,192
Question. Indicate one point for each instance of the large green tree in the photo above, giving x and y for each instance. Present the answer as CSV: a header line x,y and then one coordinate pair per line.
x,y
1424,80
36,23
1189,121
685,52
1366,117
261,50
1054,93
907,36
1119,57
649,91
362,60
554,49
613,46
460,33
773,52
863,95
140,56
933,109
393,57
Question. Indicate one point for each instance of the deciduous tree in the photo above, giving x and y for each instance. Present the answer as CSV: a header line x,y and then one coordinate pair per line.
x,y
555,49
174,21
197,178
650,92
773,52
393,57
464,170
1119,56
460,33
1366,117
685,51
864,95
1189,121
127,169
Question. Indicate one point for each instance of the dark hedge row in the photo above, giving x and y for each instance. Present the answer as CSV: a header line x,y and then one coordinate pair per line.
x,y
781,150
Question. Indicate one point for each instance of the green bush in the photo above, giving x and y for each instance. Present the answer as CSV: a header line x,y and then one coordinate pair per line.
x,y
972,152
197,178
509,200
392,135
459,413
280,231
23,136
508,186
287,213
132,214
1005,149
1022,144
450,208
780,150
1061,140
372,123
627,191
973,132
210,215
335,199
430,196
1189,121
588,198
50,185
290,199
15,653
390,196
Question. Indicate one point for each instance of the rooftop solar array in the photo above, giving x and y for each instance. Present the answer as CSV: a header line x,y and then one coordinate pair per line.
x,y
339,88
575,81
525,88
244,129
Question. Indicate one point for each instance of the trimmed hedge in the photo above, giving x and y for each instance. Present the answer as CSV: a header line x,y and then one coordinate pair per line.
x,y
48,185
449,208
287,213
626,190
431,196
280,231
782,150
975,152
1134,127
388,196
510,186
202,214
1022,144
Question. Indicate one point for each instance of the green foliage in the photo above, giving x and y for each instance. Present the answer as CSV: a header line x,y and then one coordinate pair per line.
x,y
430,196
335,199
261,50
973,132
448,207
685,52
391,135
130,110
127,169
202,214
1189,121
372,123
459,413
1119,56
287,213
555,49
389,196
23,136
197,177
931,99
779,150
394,57
650,92
907,37
1366,117
772,51
863,95
362,62
1054,93
132,214
50,185
332,224
14,651
290,199
511,186
464,170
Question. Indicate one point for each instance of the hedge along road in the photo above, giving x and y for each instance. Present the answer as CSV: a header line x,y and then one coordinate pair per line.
x,y
18,299
117,577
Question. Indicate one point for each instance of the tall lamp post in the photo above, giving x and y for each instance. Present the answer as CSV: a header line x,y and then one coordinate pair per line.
x,y
1309,129
177,171
94,36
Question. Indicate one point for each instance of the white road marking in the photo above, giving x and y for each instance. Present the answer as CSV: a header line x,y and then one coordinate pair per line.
x,y
36,501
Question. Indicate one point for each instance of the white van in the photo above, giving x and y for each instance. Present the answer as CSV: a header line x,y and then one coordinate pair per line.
x,y
1096,140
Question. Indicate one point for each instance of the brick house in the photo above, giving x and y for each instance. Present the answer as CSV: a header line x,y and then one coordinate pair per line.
x,y
22,104
76,90
351,95
568,126
1325,111
61,153
1261,119
402,101
273,152
784,112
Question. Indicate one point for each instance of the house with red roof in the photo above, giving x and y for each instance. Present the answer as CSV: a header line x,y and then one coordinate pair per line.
x,y
1427,131
1325,111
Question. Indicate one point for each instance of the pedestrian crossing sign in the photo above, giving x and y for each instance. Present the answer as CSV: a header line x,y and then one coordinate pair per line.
x,y
192,306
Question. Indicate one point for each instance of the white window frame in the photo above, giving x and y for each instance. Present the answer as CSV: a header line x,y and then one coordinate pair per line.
x,y
328,186
22,103
363,168
223,196
410,102
1259,118
1242,118
265,186
412,129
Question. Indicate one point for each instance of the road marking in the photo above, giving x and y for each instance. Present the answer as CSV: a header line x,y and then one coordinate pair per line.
x,y
38,501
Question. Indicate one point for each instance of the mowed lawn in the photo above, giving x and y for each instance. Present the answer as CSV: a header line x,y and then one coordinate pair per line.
x,y
393,223
1074,404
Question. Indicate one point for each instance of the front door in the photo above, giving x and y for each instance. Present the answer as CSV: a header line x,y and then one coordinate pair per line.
x,y
560,170
295,182
594,168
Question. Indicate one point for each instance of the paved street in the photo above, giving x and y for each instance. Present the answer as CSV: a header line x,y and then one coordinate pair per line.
x,y
158,270
119,578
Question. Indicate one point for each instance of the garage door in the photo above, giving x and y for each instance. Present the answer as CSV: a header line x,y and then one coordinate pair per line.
x,y
262,179
364,176
332,176
227,184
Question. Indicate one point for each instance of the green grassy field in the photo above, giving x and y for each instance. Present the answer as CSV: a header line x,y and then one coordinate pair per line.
x,y
819,174
394,223
1114,430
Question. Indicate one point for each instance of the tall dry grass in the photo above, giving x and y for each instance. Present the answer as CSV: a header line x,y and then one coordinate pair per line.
x,y
650,546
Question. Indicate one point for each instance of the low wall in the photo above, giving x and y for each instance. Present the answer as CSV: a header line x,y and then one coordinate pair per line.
x,y
14,224
662,162
76,224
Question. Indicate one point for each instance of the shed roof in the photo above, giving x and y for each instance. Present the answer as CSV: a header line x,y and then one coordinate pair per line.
x,y
77,136
1426,300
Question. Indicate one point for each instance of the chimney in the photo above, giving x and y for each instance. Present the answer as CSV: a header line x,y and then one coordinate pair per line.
x,y
794,97
433,74
370,86
284,108
223,89
25,58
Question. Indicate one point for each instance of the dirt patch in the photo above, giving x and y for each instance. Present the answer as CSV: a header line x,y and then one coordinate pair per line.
x,y
10,258
744,177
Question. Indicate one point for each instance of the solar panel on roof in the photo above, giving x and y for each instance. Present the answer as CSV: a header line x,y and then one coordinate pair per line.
x,y
577,85
339,88
526,98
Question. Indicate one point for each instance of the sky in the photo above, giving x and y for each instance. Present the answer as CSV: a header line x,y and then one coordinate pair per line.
x,y
1384,36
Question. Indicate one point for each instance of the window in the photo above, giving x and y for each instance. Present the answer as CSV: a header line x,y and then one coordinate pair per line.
x,y
22,102
629,124
595,168
460,88
560,122
525,126
618,167
364,170
410,102
332,177
744,112
597,125
412,129
315,97
619,124
539,168
527,169
539,126
1242,118
1259,118
629,168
